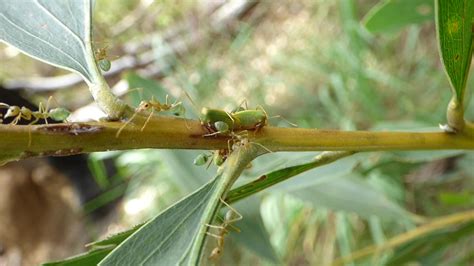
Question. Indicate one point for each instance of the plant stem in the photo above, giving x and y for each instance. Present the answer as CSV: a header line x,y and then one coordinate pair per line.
x,y
434,225
175,133
226,175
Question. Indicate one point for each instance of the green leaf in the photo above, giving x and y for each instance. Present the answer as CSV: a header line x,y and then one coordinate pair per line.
x,y
149,88
280,175
350,193
98,249
188,176
167,239
178,234
454,20
90,258
54,31
425,156
430,247
253,234
392,15
115,239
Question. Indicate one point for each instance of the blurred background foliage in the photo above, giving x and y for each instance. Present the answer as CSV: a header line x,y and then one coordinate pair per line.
x,y
344,65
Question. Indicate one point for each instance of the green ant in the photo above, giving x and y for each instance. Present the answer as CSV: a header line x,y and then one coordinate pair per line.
x,y
231,216
218,158
152,106
19,113
102,58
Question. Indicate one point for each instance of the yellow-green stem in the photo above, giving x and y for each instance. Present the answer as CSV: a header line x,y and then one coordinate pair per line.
x,y
175,133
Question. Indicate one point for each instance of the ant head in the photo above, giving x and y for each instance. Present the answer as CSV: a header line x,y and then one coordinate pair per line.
x,y
215,253
144,105
12,111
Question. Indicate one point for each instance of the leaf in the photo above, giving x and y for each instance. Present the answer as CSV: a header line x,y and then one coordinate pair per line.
x,y
423,248
392,15
166,239
188,176
115,239
178,234
336,187
87,259
425,156
150,88
352,194
454,20
7,157
98,249
54,31
253,234
280,175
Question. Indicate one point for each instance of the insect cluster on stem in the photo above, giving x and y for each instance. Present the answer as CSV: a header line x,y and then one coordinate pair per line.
x,y
24,113
235,124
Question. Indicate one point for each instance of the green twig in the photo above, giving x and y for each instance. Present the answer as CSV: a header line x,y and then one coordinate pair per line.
x,y
281,175
174,133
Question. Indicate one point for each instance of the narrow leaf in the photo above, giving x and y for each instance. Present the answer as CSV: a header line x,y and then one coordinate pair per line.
x,y
54,31
115,239
280,175
392,15
87,259
253,234
350,193
424,247
177,235
454,20
166,239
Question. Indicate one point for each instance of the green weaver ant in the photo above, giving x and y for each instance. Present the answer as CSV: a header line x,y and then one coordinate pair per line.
x,y
19,113
230,217
102,59
153,105
218,158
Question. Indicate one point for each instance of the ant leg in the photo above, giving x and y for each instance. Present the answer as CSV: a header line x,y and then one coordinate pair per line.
x,y
228,145
239,107
46,110
232,119
147,120
29,137
215,226
125,124
239,216
34,121
212,134
40,113
16,119
262,146
284,119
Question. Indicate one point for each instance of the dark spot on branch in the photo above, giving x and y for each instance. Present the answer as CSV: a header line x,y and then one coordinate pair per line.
x,y
60,152
70,129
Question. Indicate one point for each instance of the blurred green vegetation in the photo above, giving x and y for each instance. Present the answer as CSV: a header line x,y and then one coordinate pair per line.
x,y
314,63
